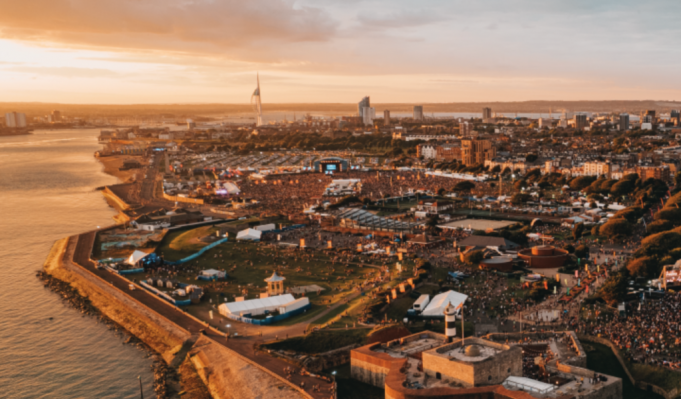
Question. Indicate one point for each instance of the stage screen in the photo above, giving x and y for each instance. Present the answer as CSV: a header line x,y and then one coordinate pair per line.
x,y
330,167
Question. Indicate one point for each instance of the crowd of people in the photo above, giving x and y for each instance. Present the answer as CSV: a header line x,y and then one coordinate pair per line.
x,y
649,334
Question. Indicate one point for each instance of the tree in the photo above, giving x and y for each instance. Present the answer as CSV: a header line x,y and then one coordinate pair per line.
x,y
616,229
615,287
641,267
577,231
594,230
631,214
531,157
496,169
659,226
581,182
659,244
582,251
672,215
473,257
464,186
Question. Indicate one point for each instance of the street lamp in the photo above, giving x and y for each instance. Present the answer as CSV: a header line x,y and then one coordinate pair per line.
x,y
228,327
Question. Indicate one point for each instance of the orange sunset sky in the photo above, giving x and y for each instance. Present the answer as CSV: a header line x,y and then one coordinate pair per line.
x,y
201,51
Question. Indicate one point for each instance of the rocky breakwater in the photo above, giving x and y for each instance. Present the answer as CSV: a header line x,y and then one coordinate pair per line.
x,y
164,377
135,324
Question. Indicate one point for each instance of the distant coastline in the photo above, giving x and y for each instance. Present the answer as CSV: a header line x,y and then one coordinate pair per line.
x,y
15,132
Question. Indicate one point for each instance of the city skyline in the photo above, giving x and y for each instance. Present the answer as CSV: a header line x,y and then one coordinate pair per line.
x,y
330,51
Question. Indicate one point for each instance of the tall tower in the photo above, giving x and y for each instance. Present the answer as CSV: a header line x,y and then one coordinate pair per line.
x,y
450,322
255,101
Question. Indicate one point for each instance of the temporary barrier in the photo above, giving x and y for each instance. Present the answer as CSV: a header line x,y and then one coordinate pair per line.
x,y
130,271
201,252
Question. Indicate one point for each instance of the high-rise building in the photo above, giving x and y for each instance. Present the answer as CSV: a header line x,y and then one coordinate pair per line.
x,y
386,118
56,116
477,151
365,103
580,121
486,113
676,117
418,112
15,119
624,122
648,116
464,128
190,124
368,114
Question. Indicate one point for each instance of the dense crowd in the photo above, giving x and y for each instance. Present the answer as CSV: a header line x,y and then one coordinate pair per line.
x,y
650,334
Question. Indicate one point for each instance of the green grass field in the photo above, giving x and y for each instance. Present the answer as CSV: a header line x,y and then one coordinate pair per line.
x,y
322,341
249,263
180,244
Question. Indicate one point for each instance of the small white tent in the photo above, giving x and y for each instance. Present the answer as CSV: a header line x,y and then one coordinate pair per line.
x,y
136,257
249,234
437,306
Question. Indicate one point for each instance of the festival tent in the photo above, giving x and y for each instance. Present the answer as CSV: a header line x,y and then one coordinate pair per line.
x,y
232,188
255,307
136,257
249,234
266,227
212,273
437,305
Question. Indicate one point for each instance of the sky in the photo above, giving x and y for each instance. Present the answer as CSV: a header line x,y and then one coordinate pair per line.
x,y
337,51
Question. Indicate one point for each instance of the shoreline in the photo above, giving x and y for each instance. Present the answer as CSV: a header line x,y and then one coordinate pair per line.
x,y
206,366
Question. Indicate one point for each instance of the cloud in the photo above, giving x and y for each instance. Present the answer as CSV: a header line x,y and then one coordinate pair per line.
x,y
401,19
193,26
65,72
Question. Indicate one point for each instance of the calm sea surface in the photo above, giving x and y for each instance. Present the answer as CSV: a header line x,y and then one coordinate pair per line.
x,y
47,183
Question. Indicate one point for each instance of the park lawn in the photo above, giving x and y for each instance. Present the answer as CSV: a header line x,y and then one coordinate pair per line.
x,y
333,313
398,308
601,359
177,245
321,341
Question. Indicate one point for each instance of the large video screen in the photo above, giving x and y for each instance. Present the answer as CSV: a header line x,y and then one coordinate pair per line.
x,y
330,166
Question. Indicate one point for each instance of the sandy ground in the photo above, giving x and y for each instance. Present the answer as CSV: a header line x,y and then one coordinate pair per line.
x,y
113,163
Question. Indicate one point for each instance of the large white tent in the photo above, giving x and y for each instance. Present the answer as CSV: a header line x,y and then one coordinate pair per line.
x,y
266,227
249,234
255,307
437,305
136,257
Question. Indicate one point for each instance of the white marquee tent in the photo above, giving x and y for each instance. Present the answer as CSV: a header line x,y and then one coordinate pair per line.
x,y
136,257
249,234
266,227
437,305
255,306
